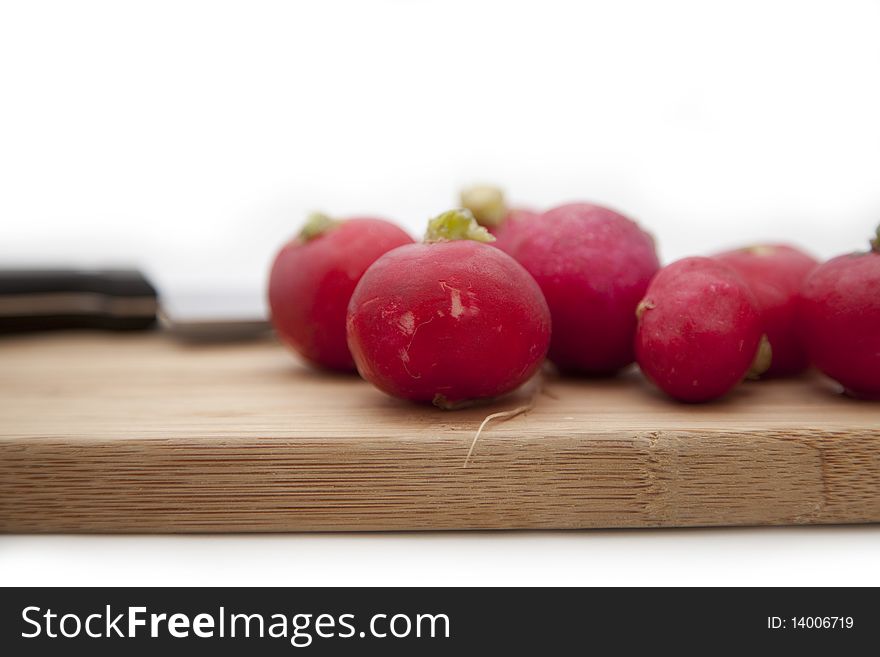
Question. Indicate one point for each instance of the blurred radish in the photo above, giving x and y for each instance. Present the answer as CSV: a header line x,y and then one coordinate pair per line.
x,y
839,320
699,330
313,277
593,265
775,274
489,208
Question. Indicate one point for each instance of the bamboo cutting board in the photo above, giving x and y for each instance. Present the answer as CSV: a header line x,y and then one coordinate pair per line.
x,y
134,433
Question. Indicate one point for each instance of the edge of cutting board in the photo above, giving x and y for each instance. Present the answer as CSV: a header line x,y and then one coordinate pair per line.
x,y
141,435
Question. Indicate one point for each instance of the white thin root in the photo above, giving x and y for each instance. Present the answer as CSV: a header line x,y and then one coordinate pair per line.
x,y
505,415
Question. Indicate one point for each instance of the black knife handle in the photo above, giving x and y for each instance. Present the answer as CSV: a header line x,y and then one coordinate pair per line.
x,y
48,299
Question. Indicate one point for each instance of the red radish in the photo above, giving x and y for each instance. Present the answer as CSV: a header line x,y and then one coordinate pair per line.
x,y
593,266
312,280
450,320
775,273
699,330
490,210
839,319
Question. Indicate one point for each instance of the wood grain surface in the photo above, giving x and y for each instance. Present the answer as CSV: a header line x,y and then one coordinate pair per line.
x,y
135,433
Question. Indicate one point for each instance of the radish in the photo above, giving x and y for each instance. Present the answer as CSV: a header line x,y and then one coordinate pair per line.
x,y
450,320
593,266
775,273
839,320
313,277
699,330
489,208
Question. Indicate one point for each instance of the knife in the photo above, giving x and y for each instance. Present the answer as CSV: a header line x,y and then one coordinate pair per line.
x,y
122,300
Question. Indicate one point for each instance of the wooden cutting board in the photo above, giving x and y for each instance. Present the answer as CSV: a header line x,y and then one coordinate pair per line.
x,y
135,433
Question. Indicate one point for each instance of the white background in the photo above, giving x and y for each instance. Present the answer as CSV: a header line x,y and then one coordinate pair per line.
x,y
191,138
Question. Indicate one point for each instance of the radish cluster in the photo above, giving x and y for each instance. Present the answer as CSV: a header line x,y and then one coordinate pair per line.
x,y
471,312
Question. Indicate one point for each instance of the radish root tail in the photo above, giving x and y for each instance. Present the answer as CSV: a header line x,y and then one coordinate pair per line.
x,y
505,415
